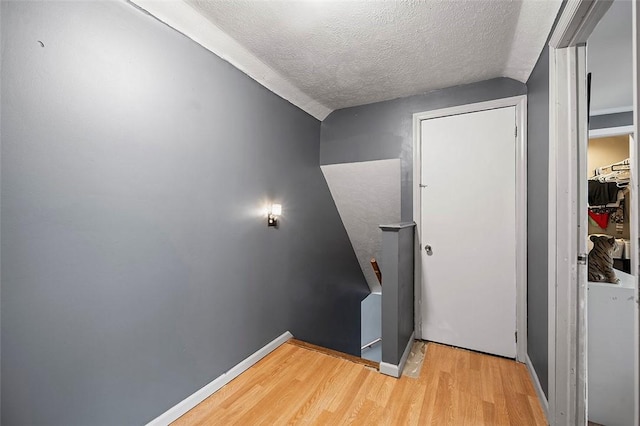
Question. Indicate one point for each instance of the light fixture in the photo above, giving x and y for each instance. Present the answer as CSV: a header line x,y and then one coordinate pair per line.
x,y
274,211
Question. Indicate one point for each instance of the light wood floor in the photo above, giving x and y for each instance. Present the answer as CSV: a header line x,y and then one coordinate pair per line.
x,y
296,385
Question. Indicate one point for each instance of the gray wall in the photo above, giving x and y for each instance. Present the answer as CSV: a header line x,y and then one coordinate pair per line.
x,y
398,289
385,129
611,120
136,265
537,214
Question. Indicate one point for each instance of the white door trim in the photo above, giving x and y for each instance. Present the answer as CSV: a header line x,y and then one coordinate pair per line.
x,y
578,19
567,137
520,103
566,302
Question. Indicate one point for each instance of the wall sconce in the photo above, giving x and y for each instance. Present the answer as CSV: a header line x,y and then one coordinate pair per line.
x,y
274,211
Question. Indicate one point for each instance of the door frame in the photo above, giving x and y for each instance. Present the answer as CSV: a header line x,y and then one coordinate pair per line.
x,y
520,104
568,136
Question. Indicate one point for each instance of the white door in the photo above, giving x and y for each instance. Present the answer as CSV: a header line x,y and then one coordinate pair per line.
x,y
468,222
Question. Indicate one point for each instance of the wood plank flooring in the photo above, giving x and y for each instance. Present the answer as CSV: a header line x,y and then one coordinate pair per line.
x,y
352,358
296,385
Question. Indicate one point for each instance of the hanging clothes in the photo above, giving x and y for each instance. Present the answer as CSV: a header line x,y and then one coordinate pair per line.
x,y
602,193
617,216
601,219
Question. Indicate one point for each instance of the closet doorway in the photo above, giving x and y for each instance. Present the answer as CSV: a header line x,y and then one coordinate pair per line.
x,y
612,220
471,238
611,286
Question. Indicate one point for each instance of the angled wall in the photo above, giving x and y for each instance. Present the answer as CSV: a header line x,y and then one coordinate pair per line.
x,y
366,194
136,263
384,130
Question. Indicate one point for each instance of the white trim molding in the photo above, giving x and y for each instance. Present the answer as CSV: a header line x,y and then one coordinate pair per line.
x,y
520,103
568,134
396,370
611,131
567,394
537,386
191,401
578,19
187,21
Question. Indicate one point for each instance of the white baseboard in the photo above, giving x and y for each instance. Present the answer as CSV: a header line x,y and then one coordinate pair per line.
x,y
536,384
396,370
187,404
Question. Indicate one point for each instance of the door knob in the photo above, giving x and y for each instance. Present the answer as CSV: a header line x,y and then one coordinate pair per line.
x,y
428,250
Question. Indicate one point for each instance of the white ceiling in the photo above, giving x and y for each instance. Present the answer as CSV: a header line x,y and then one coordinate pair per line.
x,y
609,57
326,55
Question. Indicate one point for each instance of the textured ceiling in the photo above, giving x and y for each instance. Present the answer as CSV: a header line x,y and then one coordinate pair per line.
x,y
609,57
323,55
345,53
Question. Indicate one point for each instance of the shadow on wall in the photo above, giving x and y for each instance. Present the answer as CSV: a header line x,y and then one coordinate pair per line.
x,y
367,194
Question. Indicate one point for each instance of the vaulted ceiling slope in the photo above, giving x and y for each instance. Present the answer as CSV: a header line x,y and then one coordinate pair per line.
x,y
327,55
